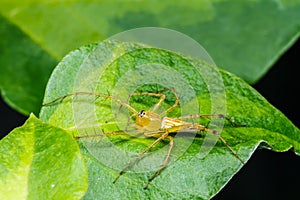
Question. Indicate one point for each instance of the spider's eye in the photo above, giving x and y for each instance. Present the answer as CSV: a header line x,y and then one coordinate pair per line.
x,y
142,113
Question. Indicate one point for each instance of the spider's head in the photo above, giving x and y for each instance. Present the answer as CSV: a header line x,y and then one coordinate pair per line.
x,y
148,121
143,118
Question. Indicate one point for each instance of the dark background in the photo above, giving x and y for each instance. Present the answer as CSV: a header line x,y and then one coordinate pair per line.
x,y
267,175
270,175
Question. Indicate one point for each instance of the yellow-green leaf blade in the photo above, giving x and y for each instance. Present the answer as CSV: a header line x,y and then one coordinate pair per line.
x,y
39,161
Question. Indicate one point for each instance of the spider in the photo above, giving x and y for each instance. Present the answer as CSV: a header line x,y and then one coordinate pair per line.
x,y
155,125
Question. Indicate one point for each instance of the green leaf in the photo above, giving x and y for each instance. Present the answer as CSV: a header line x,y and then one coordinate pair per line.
x,y
196,169
243,37
24,70
39,161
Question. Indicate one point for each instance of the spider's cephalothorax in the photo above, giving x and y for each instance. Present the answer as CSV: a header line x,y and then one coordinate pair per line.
x,y
147,121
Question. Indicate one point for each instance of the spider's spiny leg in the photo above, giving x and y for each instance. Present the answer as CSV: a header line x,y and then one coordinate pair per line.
x,y
140,155
100,135
203,128
165,163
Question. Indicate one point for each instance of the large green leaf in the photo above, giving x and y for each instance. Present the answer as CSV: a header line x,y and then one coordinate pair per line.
x,y
118,69
243,37
39,161
24,70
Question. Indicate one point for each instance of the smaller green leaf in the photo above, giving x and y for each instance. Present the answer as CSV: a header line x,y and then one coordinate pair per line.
x,y
24,69
39,161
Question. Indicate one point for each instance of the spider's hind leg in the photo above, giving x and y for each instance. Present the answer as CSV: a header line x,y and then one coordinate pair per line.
x,y
203,128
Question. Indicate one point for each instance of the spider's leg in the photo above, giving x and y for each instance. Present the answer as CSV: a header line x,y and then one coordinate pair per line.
x,y
161,100
140,155
57,100
203,128
128,122
101,135
161,96
165,163
175,103
96,95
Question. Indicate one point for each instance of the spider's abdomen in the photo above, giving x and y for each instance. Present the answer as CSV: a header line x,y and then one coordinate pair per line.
x,y
168,122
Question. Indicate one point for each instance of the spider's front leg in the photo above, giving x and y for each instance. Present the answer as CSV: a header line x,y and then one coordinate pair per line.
x,y
162,98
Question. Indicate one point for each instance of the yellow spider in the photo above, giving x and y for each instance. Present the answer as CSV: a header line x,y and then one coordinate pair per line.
x,y
155,125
